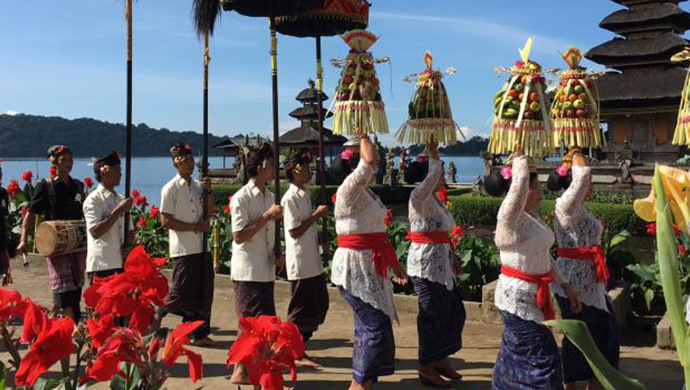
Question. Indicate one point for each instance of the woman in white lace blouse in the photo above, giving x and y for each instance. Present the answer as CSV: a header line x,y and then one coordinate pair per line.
x,y
529,357
582,262
431,265
360,270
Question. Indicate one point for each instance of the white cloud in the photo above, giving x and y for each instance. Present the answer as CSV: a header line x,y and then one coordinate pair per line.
x,y
12,113
285,126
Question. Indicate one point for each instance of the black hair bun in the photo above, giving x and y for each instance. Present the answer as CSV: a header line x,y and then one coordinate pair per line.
x,y
557,182
416,171
495,184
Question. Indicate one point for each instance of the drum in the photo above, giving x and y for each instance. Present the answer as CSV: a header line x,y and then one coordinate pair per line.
x,y
55,238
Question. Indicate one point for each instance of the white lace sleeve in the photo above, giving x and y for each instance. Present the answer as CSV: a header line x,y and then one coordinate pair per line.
x,y
576,192
354,185
426,188
513,205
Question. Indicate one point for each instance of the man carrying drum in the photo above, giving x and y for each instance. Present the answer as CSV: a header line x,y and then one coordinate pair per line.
x,y
60,198
104,211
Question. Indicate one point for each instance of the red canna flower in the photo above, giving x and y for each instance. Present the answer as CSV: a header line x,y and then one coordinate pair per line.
x,y
53,171
443,195
154,212
136,194
88,182
651,228
266,346
334,197
174,347
11,305
141,222
124,346
681,250
140,201
53,343
226,210
388,220
229,199
100,329
132,293
35,320
13,189
27,176
676,231
455,237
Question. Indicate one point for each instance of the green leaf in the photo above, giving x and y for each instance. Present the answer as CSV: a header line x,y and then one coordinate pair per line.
x,y
648,298
608,376
619,238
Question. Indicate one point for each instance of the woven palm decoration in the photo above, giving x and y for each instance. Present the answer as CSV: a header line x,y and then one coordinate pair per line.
x,y
430,117
682,133
358,104
575,109
521,110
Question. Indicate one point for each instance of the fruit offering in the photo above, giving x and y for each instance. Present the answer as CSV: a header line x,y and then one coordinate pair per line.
x,y
358,104
575,109
682,134
430,117
521,115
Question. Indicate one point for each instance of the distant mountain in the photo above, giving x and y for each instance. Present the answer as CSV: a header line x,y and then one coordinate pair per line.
x,y
31,135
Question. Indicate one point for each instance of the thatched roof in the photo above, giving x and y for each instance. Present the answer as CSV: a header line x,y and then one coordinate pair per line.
x,y
639,90
310,112
307,136
665,14
308,95
620,51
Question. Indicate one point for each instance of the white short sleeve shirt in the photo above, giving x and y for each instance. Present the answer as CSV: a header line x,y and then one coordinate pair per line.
x,y
104,253
302,257
183,201
252,260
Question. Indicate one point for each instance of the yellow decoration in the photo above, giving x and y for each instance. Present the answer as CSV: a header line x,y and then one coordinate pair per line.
x,y
677,185
682,133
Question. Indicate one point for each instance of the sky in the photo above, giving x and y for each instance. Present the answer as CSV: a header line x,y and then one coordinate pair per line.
x,y
69,59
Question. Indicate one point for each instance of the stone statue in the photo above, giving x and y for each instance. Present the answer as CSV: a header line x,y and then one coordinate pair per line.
x,y
390,168
452,171
477,185
488,162
402,165
626,175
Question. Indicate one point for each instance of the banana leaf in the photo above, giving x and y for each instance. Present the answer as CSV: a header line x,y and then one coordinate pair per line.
x,y
608,376
667,254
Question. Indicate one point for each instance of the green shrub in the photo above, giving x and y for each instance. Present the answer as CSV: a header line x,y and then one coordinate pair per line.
x,y
472,210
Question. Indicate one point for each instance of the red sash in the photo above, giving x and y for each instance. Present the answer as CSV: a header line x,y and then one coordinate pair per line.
x,y
597,254
384,252
430,238
543,292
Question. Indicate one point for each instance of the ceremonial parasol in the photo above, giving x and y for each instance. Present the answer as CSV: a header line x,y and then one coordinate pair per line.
x,y
575,108
430,116
334,18
521,115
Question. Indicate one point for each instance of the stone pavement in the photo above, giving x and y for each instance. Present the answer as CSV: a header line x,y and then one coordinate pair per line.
x,y
332,346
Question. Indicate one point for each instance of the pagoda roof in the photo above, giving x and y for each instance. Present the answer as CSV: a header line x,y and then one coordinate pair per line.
x,y
640,90
620,52
308,136
626,20
308,95
628,3
310,112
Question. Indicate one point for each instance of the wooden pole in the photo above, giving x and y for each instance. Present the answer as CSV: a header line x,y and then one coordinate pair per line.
x,y
276,132
204,157
322,154
128,158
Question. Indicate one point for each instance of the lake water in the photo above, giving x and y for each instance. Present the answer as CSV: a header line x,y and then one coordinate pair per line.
x,y
149,174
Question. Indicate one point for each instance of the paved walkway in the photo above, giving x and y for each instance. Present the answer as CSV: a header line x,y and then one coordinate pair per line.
x,y
332,346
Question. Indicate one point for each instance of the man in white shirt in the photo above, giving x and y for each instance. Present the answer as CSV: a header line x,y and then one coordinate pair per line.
x,y
253,265
104,212
191,293
309,303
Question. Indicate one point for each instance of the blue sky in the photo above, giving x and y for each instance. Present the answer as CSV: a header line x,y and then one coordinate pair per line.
x,y
67,58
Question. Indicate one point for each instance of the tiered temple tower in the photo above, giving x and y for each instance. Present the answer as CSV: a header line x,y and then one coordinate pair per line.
x,y
640,92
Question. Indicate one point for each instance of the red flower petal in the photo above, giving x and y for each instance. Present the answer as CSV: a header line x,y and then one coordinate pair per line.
x,y
196,365
35,320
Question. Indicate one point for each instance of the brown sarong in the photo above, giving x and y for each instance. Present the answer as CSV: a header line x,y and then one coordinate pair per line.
x,y
253,299
66,272
309,303
191,292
